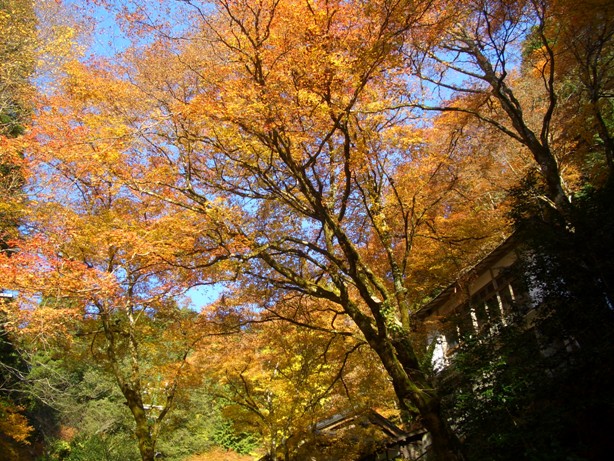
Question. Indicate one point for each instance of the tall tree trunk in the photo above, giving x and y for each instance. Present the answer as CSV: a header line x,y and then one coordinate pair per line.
x,y
131,391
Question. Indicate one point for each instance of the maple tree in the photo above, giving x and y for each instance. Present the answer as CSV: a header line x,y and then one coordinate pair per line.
x,y
283,147
283,123
100,286
455,203
584,50
523,68
135,330
280,377
101,262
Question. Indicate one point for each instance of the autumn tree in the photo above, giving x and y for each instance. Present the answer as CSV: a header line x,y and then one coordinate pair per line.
x,y
286,371
282,135
17,51
275,390
584,44
98,281
17,43
507,62
134,330
102,263
529,71
18,38
286,142
31,33
286,124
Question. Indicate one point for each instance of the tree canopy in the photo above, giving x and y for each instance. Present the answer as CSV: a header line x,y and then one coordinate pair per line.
x,y
331,164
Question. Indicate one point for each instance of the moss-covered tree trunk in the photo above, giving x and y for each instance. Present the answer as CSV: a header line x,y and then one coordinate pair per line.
x,y
415,390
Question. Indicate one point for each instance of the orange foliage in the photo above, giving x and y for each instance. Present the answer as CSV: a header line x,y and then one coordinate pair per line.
x,y
13,424
276,148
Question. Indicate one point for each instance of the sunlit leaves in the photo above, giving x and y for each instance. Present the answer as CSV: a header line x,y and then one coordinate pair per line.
x,y
280,379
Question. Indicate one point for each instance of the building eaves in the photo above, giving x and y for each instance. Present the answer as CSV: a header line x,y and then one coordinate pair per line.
x,y
479,267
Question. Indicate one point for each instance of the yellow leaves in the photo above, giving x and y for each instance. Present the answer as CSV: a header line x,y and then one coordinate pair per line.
x,y
220,454
58,45
17,43
303,68
13,424
59,37
284,374
95,87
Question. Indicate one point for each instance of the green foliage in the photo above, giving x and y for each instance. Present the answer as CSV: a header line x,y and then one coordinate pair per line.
x,y
197,425
189,427
80,414
77,410
59,450
86,419
10,126
225,435
117,447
